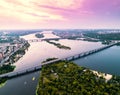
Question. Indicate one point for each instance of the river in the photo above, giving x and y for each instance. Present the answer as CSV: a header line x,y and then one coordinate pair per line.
x,y
38,52
107,61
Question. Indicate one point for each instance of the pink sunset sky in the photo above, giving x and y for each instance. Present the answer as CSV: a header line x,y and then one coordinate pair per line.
x,y
80,14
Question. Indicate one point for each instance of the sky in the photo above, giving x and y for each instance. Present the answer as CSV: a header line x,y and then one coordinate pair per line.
x,y
59,14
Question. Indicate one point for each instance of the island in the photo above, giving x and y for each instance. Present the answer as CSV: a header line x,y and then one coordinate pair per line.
x,y
67,78
38,35
49,59
58,45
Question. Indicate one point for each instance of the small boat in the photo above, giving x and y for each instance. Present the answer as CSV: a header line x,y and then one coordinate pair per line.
x,y
33,78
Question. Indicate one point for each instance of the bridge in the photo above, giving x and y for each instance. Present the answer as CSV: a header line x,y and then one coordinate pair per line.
x,y
38,67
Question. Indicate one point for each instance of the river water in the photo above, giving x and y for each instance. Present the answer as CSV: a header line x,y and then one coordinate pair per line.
x,y
39,51
107,61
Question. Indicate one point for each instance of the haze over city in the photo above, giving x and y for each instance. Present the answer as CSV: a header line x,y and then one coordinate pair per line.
x,y
37,14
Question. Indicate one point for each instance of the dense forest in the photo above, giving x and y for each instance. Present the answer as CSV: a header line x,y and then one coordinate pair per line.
x,y
6,68
66,78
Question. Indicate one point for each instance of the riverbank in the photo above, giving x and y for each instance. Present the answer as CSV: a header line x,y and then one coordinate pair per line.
x,y
8,65
64,78
2,81
17,55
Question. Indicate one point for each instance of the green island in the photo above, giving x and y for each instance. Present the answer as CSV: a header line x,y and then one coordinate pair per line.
x,y
59,45
38,35
49,59
66,78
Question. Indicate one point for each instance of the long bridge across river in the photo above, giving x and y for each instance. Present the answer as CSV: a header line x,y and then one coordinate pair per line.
x,y
38,67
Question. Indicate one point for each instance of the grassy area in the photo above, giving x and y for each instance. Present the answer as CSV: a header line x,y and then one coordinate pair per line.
x,y
2,82
59,45
6,68
66,78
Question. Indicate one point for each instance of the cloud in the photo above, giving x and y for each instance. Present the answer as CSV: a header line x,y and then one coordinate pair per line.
x,y
40,12
26,10
66,4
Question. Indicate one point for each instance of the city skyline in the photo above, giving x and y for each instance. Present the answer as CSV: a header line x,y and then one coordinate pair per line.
x,y
59,14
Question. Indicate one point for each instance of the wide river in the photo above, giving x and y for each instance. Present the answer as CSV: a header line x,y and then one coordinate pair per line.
x,y
105,61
